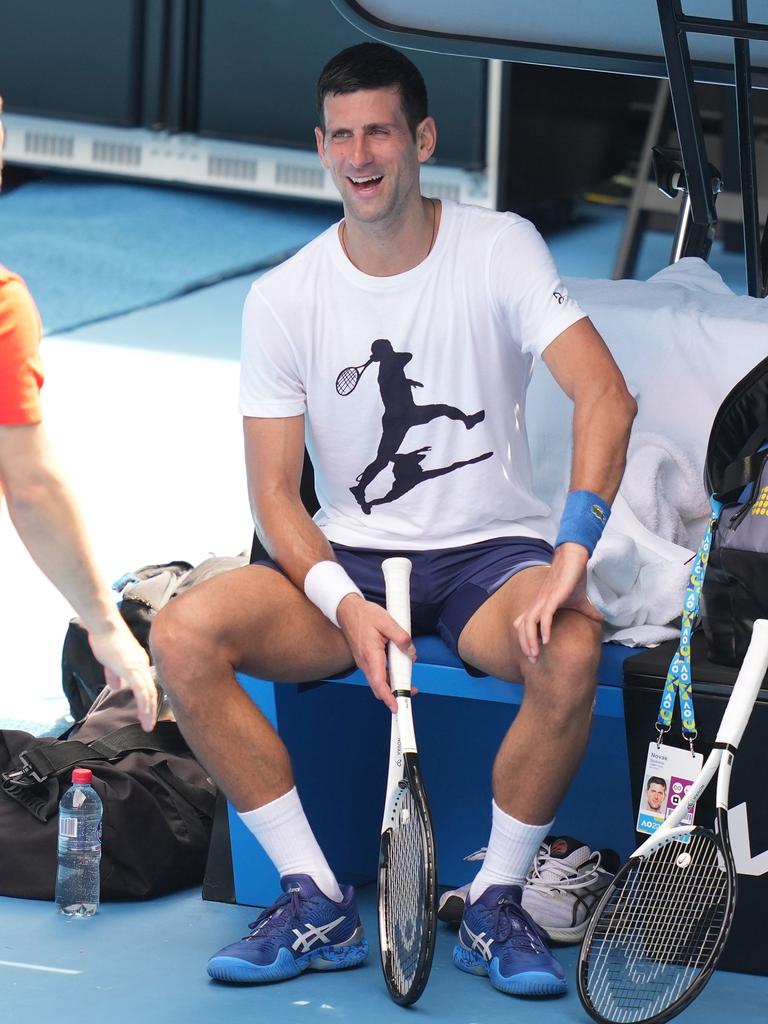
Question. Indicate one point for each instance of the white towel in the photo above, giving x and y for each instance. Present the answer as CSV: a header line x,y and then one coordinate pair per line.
x,y
637,580
682,340
663,487
640,568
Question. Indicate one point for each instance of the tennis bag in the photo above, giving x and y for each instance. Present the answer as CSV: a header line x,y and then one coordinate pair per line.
x,y
735,587
158,804
143,593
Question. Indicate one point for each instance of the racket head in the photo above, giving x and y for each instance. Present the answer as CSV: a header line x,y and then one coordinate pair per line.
x,y
407,888
656,935
347,380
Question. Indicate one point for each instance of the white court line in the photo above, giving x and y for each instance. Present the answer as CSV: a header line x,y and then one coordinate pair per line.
x,y
38,967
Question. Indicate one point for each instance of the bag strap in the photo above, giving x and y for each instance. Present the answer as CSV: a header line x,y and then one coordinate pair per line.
x,y
741,472
40,763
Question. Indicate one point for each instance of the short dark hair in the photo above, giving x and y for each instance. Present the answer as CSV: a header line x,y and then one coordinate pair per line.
x,y
657,780
374,66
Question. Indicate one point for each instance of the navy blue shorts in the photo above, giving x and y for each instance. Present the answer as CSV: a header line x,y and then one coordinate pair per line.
x,y
448,585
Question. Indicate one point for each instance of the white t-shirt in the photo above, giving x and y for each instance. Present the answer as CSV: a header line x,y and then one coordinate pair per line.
x,y
398,465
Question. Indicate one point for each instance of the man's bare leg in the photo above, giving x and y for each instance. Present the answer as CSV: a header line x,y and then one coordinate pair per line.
x,y
532,770
252,620
255,620
545,743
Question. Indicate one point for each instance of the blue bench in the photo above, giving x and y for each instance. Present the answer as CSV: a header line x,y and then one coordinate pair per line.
x,y
338,737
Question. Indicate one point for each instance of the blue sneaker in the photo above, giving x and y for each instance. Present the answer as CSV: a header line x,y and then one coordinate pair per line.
x,y
498,938
303,930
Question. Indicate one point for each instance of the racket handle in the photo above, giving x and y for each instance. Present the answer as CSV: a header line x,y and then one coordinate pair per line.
x,y
397,579
746,687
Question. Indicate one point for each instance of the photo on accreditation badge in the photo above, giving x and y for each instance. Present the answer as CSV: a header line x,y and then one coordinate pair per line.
x,y
653,803
655,794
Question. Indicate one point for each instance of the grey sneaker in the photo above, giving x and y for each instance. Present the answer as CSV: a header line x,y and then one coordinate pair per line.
x,y
565,882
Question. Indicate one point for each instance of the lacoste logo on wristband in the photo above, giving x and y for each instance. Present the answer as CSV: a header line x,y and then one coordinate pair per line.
x,y
598,513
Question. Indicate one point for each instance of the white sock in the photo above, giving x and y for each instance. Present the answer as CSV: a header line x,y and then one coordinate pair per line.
x,y
511,850
283,830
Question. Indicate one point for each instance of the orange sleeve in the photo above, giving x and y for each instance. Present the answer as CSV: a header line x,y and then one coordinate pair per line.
x,y
21,370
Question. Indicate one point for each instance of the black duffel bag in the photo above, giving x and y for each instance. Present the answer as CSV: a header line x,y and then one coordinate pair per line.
x,y
158,804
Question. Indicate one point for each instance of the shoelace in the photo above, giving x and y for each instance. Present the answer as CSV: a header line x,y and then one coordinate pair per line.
x,y
568,877
291,898
528,936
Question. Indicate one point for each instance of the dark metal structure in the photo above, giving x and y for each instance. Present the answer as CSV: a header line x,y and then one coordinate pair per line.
x,y
676,27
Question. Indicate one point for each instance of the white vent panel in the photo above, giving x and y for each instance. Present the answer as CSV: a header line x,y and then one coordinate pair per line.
x,y
300,177
45,144
232,168
115,153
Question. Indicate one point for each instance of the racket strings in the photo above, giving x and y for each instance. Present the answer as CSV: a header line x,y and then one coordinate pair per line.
x,y
406,892
659,930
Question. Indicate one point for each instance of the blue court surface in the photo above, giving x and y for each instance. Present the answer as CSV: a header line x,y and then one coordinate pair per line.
x,y
90,249
146,962
142,410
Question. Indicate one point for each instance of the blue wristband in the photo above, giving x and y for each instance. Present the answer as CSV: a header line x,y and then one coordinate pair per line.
x,y
584,518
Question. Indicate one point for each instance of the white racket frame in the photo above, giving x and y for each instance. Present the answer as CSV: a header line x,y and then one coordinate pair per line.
x,y
402,740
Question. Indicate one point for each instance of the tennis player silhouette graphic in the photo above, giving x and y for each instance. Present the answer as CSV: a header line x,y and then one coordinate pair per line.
x,y
400,414
407,471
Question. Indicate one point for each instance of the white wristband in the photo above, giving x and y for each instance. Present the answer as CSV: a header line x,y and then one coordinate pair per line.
x,y
325,585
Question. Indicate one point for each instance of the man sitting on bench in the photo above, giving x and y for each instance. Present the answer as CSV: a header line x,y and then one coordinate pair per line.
x,y
463,299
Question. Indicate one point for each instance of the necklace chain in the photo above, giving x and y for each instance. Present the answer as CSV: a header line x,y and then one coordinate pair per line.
x,y
343,235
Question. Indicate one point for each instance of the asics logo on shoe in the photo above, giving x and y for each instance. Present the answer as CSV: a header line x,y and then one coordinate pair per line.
x,y
314,934
478,942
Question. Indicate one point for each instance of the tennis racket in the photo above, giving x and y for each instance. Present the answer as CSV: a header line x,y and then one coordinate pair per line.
x,y
658,931
407,892
347,380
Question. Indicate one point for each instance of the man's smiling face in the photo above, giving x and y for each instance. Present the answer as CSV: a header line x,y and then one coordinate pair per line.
x,y
371,152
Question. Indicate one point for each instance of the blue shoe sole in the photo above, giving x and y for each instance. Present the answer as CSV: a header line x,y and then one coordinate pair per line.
x,y
286,965
526,983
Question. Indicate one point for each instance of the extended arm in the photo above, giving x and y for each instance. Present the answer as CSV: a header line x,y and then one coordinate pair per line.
x,y
603,411
47,519
274,453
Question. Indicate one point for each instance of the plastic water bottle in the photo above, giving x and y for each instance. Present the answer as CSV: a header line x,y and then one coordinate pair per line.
x,y
77,873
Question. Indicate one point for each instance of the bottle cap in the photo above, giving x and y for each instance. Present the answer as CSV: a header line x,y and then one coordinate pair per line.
x,y
82,776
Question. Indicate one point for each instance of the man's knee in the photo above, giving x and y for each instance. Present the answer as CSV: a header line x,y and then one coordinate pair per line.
x,y
566,674
181,633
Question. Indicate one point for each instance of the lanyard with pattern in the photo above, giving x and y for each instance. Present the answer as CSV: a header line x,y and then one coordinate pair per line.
x,y
679,675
